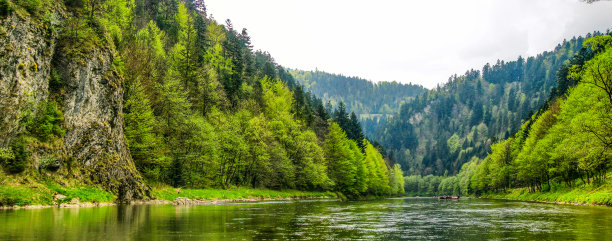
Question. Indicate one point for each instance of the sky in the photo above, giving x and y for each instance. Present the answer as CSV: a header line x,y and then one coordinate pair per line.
x,y
420,42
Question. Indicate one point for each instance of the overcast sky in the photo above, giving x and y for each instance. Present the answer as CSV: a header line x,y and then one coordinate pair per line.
x,y
422,42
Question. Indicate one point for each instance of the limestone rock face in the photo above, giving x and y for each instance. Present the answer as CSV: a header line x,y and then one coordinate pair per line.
x,y
92,101
26,49
93,116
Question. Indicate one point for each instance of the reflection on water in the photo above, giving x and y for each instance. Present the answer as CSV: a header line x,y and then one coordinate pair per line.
x,y
391,219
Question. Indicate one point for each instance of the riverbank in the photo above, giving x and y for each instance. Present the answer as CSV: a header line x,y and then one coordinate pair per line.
x,y
53,195
37,195
236,194
584,194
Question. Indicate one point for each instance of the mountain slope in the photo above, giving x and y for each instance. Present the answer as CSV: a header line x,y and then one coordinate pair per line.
x,y
563,153
442,129
372,102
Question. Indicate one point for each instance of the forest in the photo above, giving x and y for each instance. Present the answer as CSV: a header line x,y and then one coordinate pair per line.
x,y
565,144
371,102
444,128
201,107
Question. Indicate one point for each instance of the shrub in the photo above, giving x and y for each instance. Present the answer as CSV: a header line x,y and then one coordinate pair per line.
x,y
48,122
6,153
5,8
18,163
32,6
74,3
56,83
50,163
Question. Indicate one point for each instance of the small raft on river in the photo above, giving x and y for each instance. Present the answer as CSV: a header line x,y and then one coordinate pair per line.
x,y
448,197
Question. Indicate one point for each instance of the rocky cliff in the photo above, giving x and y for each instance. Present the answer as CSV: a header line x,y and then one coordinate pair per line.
x,y
26,50
91,97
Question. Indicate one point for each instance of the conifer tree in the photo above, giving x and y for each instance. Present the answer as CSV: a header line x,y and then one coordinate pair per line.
x,y
144,144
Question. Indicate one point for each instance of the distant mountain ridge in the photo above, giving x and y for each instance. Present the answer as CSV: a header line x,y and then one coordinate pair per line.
x,y
371,102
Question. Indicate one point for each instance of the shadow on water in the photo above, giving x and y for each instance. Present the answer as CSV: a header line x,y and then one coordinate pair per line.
x,y
390,219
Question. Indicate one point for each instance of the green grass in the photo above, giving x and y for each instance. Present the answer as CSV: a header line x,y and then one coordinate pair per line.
x,y
22,196
43,194
83,193
167,193
592,194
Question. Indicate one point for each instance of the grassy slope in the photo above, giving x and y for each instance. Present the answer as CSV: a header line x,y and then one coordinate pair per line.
x,y
168,193
28,189
580,194
42,194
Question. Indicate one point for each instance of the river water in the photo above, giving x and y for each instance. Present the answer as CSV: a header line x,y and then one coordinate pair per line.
x,y
390,219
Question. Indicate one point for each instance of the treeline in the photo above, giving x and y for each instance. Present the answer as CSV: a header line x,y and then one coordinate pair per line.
x,y
442,129
430,185
371,102
202,109
567,142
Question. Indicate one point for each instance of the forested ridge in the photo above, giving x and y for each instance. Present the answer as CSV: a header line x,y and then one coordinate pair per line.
x,y
201,107
371,102
443,128
563,149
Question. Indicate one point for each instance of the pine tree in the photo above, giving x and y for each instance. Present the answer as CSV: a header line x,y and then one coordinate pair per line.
x,y
144,144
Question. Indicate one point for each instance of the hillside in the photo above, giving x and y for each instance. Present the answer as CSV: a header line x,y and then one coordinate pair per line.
x,y
372,102
568,141
562,153
120,95
440,130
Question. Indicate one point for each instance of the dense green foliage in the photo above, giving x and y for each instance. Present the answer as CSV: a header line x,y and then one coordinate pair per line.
x,y
15,162
354,173
350,124
44,125
47,123
580,193
440,130
568,141
202,109
565,147
371,102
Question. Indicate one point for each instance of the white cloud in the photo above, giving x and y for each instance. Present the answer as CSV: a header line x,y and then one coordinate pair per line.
x,y
409,41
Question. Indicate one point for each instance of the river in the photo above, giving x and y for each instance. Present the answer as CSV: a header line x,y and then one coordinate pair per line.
x,y
390,219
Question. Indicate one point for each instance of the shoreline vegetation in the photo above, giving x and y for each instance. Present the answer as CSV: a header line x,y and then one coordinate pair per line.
x,y
19,197
585,194
561,154
588,194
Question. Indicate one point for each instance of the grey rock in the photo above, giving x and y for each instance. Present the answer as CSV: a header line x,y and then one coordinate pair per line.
x,y
92,105
93,117
181,201
58,197
26,50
